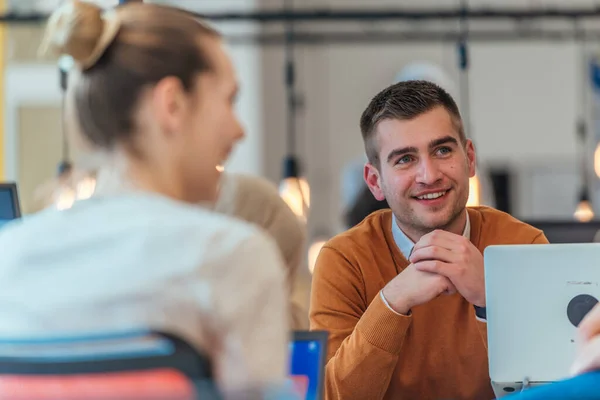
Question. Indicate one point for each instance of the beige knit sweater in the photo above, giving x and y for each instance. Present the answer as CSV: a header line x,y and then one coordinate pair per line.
x,y
256,200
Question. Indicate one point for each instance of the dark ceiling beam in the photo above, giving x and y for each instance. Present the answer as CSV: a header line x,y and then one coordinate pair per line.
x,y
340,38
380,14
376,14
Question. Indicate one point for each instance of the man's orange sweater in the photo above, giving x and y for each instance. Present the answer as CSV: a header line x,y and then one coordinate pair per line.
x,y
438,352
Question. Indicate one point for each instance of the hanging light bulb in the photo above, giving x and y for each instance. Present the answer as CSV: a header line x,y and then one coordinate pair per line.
x,y
597,160
313,252
71,187
294,190
296,193
64,198
69,192
474,192
85,187
584,211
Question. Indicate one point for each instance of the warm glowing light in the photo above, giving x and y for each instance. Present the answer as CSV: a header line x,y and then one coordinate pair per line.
x,y
85,188
220,168
313,253
584,212
296,193
73,190
65,198
597,160
474,192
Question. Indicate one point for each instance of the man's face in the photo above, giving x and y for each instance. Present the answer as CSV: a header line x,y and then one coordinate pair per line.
x,y
424,172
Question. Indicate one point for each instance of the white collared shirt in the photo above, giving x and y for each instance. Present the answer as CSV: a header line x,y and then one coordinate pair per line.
x,y
405,245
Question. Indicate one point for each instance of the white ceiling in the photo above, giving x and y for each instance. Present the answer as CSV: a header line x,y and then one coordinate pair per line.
x,y
239,5
231,5
45,6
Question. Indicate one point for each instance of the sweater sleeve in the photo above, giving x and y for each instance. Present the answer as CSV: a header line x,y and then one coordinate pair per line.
x,y
540,239
482,323
365,339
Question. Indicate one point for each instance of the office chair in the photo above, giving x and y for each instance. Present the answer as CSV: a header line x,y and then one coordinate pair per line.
x,y
125,366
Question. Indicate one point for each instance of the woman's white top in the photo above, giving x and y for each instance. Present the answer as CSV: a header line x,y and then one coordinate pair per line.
x,y
142,260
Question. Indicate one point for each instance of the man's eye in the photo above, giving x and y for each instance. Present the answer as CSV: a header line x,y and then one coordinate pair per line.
x,y
404,160
444,151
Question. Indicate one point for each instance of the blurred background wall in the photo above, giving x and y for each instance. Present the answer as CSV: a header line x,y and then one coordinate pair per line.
x,y
524,99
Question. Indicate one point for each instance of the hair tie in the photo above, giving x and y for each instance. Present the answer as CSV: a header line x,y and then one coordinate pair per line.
x,y
112,24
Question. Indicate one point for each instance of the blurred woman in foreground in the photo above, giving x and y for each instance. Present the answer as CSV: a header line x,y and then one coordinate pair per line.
x,y
155,91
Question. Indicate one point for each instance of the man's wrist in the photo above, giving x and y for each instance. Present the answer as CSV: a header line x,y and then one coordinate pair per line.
x,y
402,310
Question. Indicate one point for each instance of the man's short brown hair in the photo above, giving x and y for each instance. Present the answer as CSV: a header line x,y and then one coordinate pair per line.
x,y
404,101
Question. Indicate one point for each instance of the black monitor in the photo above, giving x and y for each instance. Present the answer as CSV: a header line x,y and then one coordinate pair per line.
x,y
10,208
568,231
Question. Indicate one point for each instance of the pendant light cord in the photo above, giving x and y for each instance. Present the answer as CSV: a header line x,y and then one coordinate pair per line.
x,y
582,128
290,82
64,165
463,64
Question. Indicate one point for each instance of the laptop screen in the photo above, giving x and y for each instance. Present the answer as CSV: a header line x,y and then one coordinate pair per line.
x,y
307,359
9,205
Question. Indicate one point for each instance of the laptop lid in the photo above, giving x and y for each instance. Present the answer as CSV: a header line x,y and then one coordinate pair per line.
x,y
9,203
308,353
536,296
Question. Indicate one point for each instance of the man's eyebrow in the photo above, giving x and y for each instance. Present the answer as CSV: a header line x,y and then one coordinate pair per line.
x,y
401,151
444,140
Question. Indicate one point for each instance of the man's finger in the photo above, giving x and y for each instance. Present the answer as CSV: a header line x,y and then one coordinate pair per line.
x,y
432,253
435,267
451,289
439,238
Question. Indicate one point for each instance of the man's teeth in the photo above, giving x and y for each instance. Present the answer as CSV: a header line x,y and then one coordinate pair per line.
x,y
431,196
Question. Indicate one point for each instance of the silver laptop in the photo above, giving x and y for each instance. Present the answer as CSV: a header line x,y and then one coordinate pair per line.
x,y
536,295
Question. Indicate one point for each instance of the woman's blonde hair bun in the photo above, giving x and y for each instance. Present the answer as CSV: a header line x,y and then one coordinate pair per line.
x,y
81,30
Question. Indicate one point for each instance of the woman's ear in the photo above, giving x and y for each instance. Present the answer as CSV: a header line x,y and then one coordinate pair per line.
x,y
169,104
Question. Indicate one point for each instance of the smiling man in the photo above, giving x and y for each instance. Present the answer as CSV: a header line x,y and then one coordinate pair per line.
x,y
402,294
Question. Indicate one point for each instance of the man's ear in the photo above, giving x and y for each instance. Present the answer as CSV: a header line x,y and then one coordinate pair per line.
x,y
471,157
373,181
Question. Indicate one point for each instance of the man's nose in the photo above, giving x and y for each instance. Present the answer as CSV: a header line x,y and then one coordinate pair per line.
x,y
428,172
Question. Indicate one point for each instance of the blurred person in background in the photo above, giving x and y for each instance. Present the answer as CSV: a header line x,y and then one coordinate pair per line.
x,y
256,200
364,205
155,91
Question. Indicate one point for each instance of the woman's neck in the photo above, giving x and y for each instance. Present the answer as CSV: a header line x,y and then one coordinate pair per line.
x,y
122,174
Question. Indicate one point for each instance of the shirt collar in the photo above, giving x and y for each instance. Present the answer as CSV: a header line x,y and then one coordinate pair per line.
x,y
405,245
